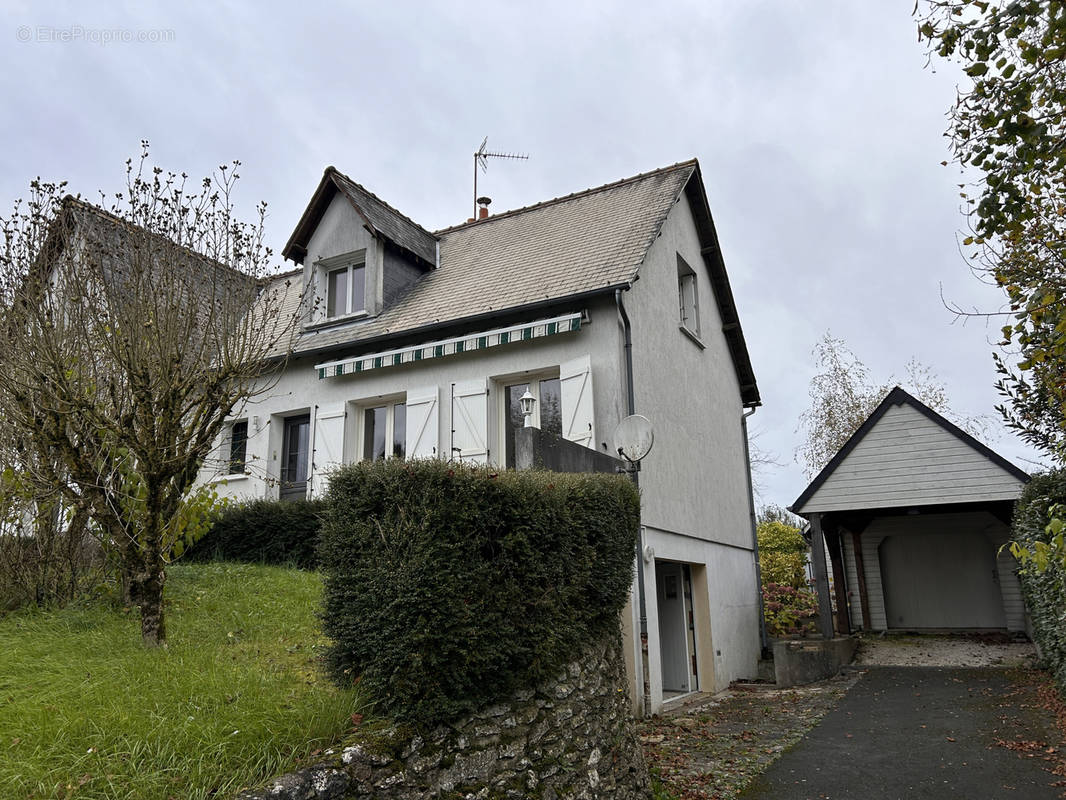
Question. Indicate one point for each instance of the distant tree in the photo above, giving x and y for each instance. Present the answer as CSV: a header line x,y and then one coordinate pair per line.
x,y
132,333
782,553
1009,128
843,395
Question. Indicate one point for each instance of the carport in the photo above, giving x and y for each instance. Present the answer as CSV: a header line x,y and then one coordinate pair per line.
x,y
913,512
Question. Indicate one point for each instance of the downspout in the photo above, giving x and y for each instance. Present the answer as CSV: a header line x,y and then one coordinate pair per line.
x,y
764,640
631,408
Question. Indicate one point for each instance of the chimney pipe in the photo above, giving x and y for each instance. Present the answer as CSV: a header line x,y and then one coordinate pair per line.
x,y
483,210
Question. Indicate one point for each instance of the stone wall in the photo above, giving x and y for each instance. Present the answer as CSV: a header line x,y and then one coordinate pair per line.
x,y
571,737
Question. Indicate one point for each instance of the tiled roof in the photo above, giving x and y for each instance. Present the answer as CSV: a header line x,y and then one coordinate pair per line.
x,y
586,242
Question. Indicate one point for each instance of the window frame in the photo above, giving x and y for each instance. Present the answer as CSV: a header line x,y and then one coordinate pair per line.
x,y
230,465
389,403
688,302
348,263
502,383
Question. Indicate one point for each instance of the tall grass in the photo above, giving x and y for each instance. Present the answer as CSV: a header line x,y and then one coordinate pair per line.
x,y
236,697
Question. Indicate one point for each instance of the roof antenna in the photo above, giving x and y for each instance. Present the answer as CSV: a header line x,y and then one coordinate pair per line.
x,y
481,159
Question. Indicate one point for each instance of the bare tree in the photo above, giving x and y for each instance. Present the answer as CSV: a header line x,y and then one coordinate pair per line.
x,y
133,333
843,396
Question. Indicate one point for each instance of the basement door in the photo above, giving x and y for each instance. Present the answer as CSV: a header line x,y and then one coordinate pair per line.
x,y
941,580
673,591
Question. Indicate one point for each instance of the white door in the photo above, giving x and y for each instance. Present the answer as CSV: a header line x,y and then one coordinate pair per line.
x,y
673,626
423,425
470,421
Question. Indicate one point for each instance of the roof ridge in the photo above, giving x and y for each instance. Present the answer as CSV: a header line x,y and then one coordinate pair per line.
x,y
389,206
692,162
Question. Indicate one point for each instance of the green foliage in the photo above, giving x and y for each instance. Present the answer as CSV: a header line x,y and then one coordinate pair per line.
x,y
782,554
264,531
234,699
1010,126
448,587
790,611
1043,577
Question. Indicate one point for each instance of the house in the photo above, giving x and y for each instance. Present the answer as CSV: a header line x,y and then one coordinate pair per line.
x,y
418,344
914,512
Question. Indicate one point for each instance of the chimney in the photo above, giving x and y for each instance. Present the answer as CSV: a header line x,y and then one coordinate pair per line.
x,y
483,210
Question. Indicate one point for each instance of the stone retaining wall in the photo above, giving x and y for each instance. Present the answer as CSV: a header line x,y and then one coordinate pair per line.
x,y
571,737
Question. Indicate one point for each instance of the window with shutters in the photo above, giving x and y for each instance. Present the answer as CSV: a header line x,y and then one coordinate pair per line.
x,y
547,409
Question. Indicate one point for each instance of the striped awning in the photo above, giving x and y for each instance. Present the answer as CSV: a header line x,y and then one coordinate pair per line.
x,y
447,347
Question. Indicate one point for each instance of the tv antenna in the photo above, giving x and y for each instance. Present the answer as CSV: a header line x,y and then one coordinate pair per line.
x,y
481,159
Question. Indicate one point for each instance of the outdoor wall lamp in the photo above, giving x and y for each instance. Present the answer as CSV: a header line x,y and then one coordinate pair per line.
x,y
528,401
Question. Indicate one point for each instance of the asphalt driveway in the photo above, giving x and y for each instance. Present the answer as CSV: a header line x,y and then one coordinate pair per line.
x,y
920,732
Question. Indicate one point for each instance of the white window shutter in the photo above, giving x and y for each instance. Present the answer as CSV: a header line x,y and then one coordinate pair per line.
x,y
575,384
327,446
423,428
470,421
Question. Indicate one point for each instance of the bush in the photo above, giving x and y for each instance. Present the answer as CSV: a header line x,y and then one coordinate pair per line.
x,y
1044,591
448,587
782,554
789,611
264,532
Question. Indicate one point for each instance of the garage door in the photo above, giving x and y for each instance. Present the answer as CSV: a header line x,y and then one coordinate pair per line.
x,y
940,580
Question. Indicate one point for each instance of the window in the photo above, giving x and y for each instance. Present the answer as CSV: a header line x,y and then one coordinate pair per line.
x,y
385,431
346,290
687,298
238,447
547,411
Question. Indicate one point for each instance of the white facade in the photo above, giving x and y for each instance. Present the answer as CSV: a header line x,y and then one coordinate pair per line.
x,y
696,506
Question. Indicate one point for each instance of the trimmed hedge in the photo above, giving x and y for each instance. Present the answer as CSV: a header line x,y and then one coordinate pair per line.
x,y
264,532
449,587
1045,593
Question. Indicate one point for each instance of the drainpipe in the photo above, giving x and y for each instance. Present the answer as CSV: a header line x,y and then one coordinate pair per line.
x,y
764,640
631,408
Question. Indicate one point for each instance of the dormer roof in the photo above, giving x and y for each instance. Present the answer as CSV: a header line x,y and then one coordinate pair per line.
x,y
381,219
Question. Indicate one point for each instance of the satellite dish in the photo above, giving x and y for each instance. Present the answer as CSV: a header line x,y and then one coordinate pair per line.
x,y
633,438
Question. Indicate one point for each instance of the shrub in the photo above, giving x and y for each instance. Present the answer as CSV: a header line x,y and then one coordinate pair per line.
x,y
264,531
448,587
789,611
1044,590
782,554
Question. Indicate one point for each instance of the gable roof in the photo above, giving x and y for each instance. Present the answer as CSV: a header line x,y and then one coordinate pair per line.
x,y
545,255
379,217
895,398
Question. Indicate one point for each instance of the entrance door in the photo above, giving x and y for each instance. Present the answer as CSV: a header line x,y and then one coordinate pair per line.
x,y
295,456
673,626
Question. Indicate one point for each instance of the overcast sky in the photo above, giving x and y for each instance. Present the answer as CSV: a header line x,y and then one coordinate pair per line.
x,y
818,127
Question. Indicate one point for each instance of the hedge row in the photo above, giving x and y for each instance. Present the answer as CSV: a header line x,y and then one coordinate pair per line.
x,y
1045,593
448,587
264,531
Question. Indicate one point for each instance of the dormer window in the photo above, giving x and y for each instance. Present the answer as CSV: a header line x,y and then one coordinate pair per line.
x,y
346,290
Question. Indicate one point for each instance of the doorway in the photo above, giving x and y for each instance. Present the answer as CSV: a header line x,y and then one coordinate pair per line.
x,y
295,457
677,632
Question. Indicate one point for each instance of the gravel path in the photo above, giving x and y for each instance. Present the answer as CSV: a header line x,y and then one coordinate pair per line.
x,y
979,650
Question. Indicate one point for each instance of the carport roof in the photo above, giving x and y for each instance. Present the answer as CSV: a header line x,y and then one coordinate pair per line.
x,y
905,454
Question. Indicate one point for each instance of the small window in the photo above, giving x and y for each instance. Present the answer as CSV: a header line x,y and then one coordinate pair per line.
x,y
385,431
346,290
688,298
547,411
238,447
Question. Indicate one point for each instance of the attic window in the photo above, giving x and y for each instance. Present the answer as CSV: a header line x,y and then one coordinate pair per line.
x,y
688,299
345,290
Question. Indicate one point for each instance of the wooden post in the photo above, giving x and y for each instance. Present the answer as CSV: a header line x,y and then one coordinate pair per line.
x,y
821,578
860,571
839,581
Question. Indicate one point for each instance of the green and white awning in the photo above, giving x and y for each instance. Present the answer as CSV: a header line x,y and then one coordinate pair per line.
x,y
447,347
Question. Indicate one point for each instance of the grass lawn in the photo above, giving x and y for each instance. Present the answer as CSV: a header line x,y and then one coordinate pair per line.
x,y
86,712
